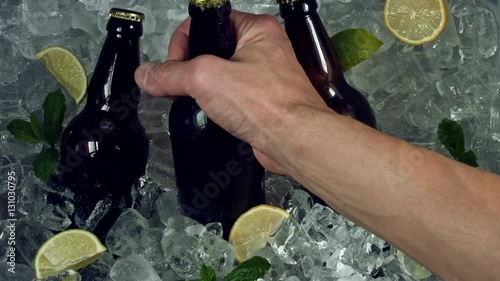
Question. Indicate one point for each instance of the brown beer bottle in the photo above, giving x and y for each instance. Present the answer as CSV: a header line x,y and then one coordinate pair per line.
x,y
217,175
315,53
104,149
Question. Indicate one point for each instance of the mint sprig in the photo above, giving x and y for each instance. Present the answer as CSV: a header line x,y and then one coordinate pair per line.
x,y
34,132
207,274
249,270
451,135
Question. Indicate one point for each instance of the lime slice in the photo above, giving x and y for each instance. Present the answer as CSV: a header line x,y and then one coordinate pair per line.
x,y
354,46
67,69
417,270
68,250
252,230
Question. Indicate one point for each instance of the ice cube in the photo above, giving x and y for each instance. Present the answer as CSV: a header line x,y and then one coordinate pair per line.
x,y
277,186
30,235
478,34
81,14
19,272
69,275
442,47
168,206
133,268
291,243
150,248
453,89
216,253
125,235
146,193
277,270
96,271
297,202
462,8
181,253
8,71
47,17
95,5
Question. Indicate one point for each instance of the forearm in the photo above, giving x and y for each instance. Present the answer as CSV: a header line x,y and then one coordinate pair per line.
x,y
444,214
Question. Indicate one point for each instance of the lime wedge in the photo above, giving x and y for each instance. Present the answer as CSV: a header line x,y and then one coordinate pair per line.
x,y
67,250
417,270
354,46
67,69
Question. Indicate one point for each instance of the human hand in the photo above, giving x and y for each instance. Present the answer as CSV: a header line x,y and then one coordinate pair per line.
x,y
254,95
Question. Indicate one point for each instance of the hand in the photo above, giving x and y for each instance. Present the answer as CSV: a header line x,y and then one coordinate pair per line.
x,y
252,95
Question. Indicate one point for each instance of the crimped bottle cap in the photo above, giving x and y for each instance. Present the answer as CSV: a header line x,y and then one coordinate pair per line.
x,y
208,3
126,15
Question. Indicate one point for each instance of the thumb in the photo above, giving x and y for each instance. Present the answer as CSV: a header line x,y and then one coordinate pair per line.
x,y
163,79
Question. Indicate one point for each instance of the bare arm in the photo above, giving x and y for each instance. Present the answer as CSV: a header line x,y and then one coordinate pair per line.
x,y
443,213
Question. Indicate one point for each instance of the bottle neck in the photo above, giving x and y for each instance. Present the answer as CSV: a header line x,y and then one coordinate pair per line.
x,y
312,45
210,32
112,88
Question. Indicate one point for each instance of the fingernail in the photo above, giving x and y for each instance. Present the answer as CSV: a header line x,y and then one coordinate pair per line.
x,y
143,72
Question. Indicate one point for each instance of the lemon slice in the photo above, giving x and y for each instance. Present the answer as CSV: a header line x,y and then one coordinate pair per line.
x,y
415,22
252,230
67,250
67,69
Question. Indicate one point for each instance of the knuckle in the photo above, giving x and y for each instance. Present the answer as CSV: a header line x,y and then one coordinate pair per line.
x,y
271,24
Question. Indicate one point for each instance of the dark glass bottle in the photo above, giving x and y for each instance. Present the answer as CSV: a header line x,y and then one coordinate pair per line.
x,y
315,53
217,175
104,148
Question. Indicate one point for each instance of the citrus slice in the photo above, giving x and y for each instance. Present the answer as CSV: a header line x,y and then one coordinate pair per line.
x,y
252,230
417,270
67,69
415,22
67,250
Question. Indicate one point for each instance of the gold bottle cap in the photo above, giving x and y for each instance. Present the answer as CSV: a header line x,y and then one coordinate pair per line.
x,y
285,1
208,3
126,15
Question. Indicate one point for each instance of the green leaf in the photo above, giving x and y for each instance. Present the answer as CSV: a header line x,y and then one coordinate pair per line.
x,y
249,270
451,135
354,46
23,131
36,126
45,163
207,274
469,158
54,107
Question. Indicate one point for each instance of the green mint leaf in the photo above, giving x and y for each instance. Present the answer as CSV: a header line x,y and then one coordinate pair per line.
x,y
207,274
45,163
354,46
54,107
36,126
469,158
451,135
22,130
249,270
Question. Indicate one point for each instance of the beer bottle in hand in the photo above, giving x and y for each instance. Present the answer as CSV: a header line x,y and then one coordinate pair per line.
x,y
104,148
217,175
315,53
